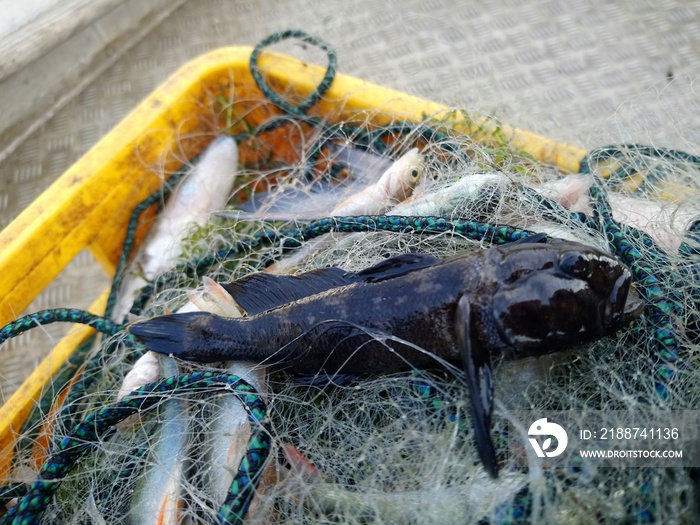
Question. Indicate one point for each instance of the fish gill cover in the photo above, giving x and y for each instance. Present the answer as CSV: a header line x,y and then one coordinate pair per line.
x,y
388,448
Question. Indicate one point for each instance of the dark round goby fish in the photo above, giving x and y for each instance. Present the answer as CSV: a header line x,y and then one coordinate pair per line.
x,y
517,300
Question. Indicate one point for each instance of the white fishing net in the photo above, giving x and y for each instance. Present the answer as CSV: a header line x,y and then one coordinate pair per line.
x,y
382,450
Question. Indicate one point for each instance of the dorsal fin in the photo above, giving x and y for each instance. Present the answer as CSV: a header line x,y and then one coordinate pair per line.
x,y
258,292
395,266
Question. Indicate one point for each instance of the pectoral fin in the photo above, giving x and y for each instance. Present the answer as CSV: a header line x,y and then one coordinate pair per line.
x,y
476,358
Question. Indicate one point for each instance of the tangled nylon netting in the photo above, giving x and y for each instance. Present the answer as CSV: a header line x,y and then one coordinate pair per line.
x,y
388,448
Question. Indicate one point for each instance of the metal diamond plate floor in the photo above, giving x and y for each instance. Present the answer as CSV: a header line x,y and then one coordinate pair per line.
x,y
587,72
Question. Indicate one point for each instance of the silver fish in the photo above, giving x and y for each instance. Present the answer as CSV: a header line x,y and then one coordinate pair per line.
x,y
395,185
204,190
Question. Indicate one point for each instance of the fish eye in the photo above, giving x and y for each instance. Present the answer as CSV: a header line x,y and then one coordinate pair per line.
x,y
414,173
575,264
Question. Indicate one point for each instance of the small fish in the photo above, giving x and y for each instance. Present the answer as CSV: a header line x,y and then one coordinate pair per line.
x,y
665,222
229,429
157,498
288,202
213,298
395,185
294,200
443,201
515,300
145,370
471,189
203,191
228,432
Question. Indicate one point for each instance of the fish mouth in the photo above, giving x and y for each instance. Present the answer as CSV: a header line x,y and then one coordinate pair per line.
x,y
624,303
634,305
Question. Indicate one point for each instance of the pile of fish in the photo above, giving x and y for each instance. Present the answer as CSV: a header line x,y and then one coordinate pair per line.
x,y
399,312
206,190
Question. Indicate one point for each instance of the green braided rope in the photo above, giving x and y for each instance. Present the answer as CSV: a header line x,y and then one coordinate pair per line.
x,y
66,315
300,110
361,137
11,491
99,425
660,297
652,287
59,315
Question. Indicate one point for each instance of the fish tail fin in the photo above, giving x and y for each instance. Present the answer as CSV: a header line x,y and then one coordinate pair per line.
x,y
192,336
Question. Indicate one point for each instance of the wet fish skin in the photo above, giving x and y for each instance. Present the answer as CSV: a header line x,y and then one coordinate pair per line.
x,y
395,185
418,306
319,333
516,300
157,497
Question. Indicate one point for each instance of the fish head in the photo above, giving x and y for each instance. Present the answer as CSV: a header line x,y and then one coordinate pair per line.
x,y
561,293
404,175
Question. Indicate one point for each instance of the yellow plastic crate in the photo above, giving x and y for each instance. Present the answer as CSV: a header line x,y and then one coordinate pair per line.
x,y
90,204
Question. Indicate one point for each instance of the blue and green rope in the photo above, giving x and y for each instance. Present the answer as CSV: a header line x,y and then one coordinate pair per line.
x,y
651,268
60,315
99,425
